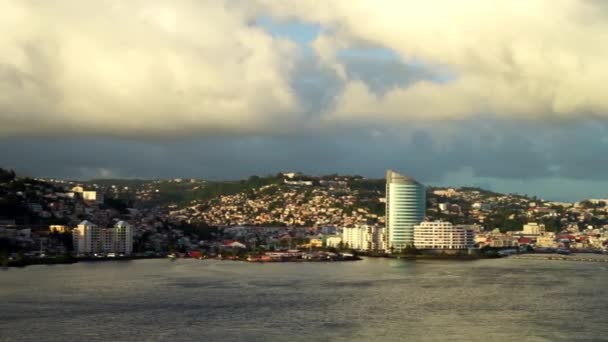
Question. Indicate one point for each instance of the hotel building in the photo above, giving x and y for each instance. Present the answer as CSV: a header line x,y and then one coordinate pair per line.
x,y
443,235
405,207
88,238
364,238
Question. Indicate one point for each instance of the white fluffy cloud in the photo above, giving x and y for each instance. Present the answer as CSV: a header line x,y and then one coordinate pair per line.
x,y
140,67
155,67
538,59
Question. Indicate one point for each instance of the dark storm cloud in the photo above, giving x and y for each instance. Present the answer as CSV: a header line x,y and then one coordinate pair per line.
x,y
490,151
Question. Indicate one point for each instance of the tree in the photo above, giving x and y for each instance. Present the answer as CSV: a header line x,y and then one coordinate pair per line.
x,y
409,250
6,176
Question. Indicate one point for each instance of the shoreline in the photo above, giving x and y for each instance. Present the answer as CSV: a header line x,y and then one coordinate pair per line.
x,y
66,260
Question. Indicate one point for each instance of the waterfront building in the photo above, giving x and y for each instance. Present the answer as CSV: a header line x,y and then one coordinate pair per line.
x,y
363,237
123,238
353,237
405,207
88,238
443,235
333,241
376,238
546,240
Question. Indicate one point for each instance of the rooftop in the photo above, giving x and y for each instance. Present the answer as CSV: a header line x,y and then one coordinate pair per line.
x,y
394,177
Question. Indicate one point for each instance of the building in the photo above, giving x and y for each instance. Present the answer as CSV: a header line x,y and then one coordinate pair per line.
x,y
546,240
353,237
502,241
87,238
443,235
363,237
533,229
405,207
90,239
123,238
315,243
374,238
88,196
92,196
333,241
78,189
59,229
446,193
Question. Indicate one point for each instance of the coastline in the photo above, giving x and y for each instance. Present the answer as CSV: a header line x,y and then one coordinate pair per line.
x,y
65,260
68,259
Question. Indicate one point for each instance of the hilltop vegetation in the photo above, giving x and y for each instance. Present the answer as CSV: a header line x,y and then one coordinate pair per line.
x,y
176,192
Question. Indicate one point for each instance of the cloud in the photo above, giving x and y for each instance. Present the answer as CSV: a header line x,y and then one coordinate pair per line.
x,y
538,59
154,68
559,162
142,67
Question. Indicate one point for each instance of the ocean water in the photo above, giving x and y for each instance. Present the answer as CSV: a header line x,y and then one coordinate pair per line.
x,y
368,300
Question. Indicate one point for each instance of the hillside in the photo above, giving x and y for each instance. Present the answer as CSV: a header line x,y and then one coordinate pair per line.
x,y
281,199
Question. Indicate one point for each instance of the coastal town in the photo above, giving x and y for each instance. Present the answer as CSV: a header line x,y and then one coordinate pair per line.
x,y
285,217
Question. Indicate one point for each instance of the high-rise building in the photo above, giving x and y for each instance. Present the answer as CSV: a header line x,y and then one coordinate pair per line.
x,y
123,238
87,238
90,239
405,207
352,237
443,235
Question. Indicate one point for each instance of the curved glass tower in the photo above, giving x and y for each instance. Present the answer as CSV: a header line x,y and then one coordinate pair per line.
x,y
405,208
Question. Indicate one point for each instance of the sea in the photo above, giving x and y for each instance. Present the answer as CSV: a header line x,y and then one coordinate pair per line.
x,y
373,299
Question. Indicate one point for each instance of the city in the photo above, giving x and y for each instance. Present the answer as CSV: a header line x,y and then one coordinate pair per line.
x,y
296,217
303,170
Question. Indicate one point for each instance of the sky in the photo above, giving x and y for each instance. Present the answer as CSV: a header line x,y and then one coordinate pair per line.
x,y
506,95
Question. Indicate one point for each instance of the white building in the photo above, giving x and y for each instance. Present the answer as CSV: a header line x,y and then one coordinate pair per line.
x,y
123,238
92,196
364,238
405,207
533,229
89,196
88,238
333,241
443,235
353,237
